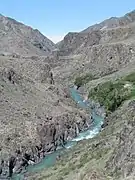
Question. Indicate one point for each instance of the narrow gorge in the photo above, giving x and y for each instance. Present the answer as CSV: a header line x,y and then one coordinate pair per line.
x,y
90,131
67,110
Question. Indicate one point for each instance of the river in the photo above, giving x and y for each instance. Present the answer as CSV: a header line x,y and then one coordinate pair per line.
x,y
50,159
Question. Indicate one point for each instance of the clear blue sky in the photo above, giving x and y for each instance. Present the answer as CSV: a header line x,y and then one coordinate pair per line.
x,y
55,18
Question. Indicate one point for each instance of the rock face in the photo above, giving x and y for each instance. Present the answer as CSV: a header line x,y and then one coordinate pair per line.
x,y
19,38
56,131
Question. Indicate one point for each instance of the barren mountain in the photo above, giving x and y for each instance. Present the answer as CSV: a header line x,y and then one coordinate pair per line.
x,y
16,37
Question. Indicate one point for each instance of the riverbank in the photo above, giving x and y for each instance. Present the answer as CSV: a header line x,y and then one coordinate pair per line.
x,y
103,157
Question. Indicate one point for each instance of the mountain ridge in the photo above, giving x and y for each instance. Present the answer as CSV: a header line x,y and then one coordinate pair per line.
x,y
109,23
19,38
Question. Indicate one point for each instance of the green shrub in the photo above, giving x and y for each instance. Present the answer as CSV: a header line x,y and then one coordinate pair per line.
x,y
130,78
109,94
81,80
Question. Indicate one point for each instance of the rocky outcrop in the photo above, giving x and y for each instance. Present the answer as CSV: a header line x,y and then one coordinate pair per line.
x,y
58,130
9,74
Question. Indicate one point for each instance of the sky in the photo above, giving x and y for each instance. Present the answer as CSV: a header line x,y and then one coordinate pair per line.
x,y
55,18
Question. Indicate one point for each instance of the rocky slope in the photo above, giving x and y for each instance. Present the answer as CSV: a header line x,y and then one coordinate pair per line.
x,y
18,38
35,114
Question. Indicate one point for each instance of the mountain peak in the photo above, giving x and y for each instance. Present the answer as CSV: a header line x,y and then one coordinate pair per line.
x,y
22,39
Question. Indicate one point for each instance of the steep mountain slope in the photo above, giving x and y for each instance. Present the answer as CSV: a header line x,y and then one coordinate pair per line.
x,y
99,52
98,34
16,37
